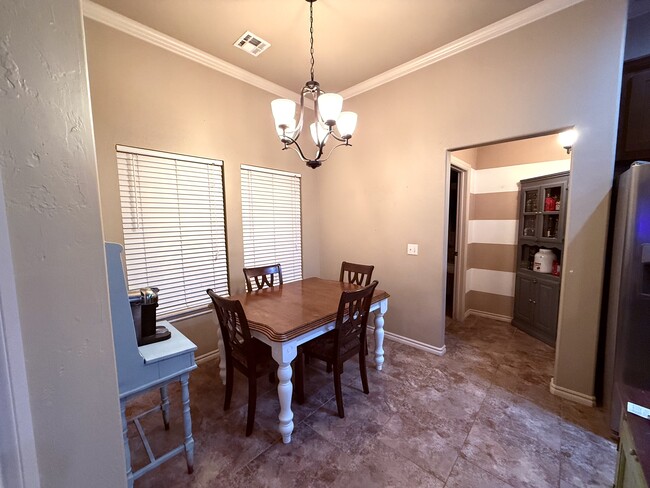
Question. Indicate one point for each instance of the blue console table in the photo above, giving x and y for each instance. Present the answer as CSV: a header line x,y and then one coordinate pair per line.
x,y
141,369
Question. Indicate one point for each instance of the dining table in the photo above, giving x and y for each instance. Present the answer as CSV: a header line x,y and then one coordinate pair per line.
x,y
288,315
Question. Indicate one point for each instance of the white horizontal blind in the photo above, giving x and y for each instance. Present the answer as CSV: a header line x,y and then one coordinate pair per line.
x,y
174,226
271,220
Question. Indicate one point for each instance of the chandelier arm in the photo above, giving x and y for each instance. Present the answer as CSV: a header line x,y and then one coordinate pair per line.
x,y
302,115
293,144
332,150
341,139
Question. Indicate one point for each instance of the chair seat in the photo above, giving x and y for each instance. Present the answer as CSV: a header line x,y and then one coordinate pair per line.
x,y
323,346
261,351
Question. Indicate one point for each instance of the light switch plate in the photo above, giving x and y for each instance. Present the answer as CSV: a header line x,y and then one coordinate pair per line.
x,y
412,249
638,410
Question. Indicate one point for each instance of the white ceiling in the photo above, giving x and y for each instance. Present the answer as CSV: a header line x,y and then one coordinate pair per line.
x,y
354,40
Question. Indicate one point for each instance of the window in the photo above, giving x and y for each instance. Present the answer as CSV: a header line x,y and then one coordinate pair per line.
x,y
174,226
271,220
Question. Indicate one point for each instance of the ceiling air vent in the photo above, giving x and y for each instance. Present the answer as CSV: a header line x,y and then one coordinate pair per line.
x,y
252,44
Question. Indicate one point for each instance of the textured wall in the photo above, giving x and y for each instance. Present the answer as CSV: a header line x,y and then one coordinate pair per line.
x,y
49,174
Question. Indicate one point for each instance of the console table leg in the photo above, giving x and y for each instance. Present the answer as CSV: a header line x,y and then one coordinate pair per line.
x,y
127,451
187,423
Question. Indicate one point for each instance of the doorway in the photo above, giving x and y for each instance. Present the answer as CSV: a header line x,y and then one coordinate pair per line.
x,y
457,219
452,241
489,259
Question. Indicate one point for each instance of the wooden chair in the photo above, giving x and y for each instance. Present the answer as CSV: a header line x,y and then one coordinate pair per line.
x,y
262,275
345,341
249,355
356,273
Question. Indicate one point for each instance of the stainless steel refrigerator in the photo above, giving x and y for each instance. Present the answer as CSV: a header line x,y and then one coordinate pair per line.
x,y
627,354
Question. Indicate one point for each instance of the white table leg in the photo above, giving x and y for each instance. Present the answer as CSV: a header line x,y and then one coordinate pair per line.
x,y
379,336
222,357
284,353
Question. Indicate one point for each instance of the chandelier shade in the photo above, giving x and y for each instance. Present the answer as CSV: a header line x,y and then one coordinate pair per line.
x,y
327,114
283,111
346,124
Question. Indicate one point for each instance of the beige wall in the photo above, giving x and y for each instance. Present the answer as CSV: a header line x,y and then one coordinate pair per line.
x,y
494,214
144,96
561,71
369,201
49,175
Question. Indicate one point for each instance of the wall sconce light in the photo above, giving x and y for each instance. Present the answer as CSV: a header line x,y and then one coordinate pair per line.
x,y
567,139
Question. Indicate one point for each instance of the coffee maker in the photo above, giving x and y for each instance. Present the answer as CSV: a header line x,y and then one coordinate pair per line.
x,y
144,302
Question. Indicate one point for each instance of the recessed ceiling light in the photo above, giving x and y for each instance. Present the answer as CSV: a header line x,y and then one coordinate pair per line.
x,y
252,44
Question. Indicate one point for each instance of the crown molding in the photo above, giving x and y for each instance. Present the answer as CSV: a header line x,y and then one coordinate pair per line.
x,y
124,24
98,13
492,31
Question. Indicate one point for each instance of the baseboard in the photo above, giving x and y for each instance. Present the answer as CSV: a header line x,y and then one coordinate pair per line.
x,y
203,358
574,396
488,315
438,351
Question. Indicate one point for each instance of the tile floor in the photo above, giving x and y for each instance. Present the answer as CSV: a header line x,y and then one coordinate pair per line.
x,y
480,416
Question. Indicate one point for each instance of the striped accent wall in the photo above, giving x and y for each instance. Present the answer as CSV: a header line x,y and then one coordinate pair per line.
x,y
493,219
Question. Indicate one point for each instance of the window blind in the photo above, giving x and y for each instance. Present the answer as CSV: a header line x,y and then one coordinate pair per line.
x,y
174,226
271,218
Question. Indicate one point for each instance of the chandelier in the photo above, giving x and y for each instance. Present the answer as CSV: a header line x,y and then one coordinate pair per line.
x,y
327,115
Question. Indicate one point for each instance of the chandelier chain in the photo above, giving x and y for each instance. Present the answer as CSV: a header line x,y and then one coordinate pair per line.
x,y
311,37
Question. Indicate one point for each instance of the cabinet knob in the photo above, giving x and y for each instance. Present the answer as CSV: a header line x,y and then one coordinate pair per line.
x,y
534,302
534,281
530,300
633,453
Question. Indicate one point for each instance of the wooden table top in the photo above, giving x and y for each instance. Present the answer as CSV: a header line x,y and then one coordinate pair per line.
x,y
284,312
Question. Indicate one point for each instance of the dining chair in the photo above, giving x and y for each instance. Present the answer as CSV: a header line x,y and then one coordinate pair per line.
x,y
356,273
262,275
343,342
247,354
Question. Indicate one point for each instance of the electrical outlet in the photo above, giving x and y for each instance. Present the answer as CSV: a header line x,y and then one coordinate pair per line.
x,y
412,249
638,410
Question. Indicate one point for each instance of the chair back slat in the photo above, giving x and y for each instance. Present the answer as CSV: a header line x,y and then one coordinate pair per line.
x,y
352,317
262,276
358,274
235,332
